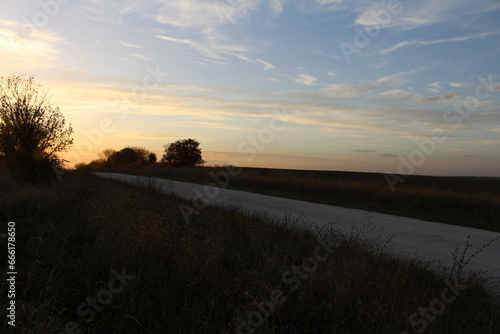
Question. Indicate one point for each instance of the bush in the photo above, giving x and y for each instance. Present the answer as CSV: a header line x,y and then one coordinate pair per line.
x,y
183,153
32,132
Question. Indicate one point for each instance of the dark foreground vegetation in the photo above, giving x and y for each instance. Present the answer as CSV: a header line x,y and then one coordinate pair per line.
x,y
466,201
77,238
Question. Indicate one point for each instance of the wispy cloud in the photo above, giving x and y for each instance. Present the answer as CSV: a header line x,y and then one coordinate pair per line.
x,y
206,15
396,95
483,142
422,13
199,14
329,2
364,151
460,84
321,5
352,90
212,48
139,56
33,49
265,65
130,45
198,24
436,84
215,50
450,95
276,6
306,79
436,41
345,91
114,10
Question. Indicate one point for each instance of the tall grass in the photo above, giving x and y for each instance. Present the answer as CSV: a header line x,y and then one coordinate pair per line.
x,y
201,277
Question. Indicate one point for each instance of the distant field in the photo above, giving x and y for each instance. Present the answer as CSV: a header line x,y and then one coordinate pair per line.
x,y
465,201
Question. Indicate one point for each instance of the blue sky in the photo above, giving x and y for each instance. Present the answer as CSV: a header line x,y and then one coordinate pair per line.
x,y
318,84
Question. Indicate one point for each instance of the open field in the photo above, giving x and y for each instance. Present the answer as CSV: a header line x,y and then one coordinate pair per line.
x,y
427,241
465,201
76,237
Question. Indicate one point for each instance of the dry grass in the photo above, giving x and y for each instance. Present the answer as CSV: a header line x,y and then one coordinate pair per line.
x,y
199,278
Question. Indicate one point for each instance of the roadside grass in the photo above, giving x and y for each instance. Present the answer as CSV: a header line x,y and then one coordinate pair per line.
x,y
472,202
203,276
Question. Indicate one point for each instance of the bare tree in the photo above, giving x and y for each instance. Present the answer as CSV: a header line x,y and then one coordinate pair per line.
x,y
106,154
32,132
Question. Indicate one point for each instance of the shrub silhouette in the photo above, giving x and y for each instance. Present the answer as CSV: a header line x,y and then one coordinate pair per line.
x,y
128,155
152,158
110,158
32,132
183,153
125,156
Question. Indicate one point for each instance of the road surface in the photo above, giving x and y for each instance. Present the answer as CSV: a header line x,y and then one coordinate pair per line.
x,y
429,241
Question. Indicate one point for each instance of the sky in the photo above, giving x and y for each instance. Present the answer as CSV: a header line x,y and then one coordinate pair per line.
x,y
408,87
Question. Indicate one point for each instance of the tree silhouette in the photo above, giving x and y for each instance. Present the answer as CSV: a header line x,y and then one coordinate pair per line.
x,y
126,156
32,132
183,153
152,158
142,154
106,154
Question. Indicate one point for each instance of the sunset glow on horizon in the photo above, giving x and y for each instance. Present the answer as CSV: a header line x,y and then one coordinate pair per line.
x,y
374,86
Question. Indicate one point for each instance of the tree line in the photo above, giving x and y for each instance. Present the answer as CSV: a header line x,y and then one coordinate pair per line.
x,y
184,152
33,134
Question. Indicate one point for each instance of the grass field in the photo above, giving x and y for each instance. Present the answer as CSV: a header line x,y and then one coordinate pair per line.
x,y
95,256
465,201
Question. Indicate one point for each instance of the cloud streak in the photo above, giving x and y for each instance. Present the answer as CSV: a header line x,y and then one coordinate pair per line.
x,y
352,90
202,24
213,47
306,79
417,14
450,95
130,45
364,151
436,41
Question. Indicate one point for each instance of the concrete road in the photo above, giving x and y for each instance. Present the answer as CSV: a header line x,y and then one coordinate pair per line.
x,y
428,241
